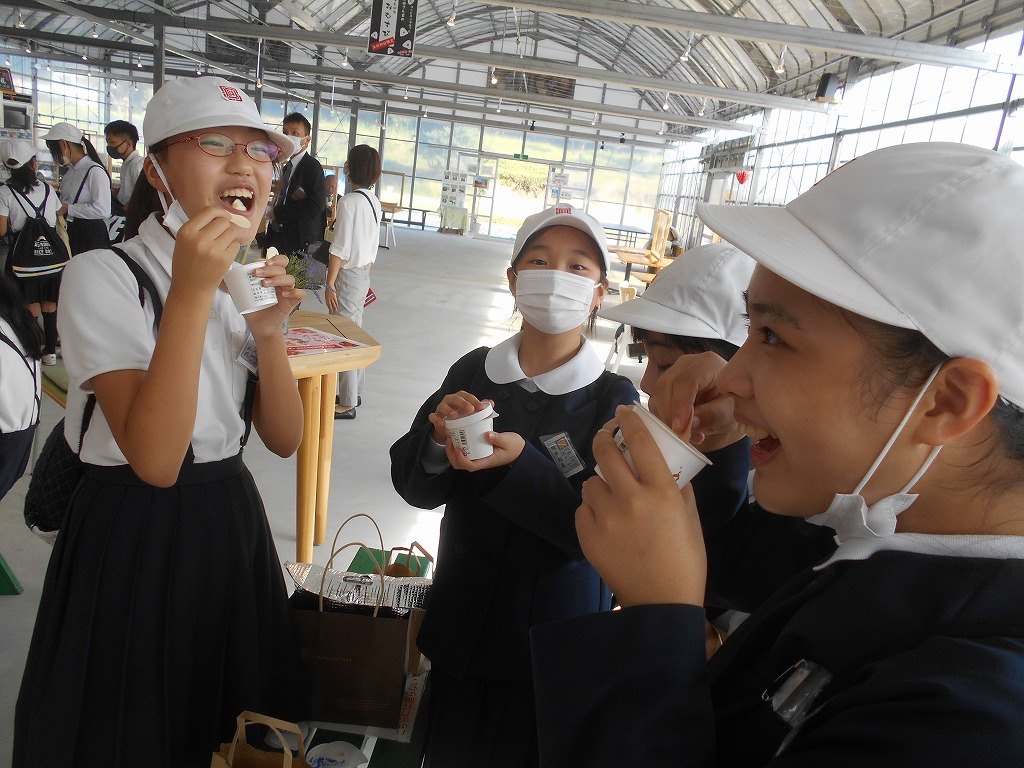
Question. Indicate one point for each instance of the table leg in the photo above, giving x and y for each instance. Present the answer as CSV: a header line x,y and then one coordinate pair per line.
x,y
326,449
629,268
306,468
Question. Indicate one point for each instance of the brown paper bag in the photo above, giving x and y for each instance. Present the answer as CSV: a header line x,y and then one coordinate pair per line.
x,y
241,754
356,664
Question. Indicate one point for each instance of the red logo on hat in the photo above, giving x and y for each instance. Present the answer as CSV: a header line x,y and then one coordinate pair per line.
x,y
229,93
562,210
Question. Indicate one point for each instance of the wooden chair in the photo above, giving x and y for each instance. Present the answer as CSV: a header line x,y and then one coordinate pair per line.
x,y
651,258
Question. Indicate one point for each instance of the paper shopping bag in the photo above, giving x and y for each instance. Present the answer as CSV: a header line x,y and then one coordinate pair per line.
x,y
241,754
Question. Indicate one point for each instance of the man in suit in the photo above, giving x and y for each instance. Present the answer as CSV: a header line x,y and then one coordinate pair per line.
x,y
300,210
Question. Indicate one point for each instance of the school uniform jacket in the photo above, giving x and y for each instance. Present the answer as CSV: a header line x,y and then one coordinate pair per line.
x,y
509,556
919,657
302,216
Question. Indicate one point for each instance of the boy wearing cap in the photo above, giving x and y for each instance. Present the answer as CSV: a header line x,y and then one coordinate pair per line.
x,y
20,198
509,557
84,187
883,378
164,612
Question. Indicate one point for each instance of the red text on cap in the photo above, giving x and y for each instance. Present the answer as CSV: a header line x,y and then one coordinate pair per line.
x,y
229,93
563,210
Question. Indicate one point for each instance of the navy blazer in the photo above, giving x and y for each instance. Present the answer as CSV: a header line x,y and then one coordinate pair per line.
x,y
300,218
509,557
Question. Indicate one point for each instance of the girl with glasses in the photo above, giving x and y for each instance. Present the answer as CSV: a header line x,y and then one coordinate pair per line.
x,y
163,613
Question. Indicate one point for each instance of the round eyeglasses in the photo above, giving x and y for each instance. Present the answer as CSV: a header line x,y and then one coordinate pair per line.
x,y
219,145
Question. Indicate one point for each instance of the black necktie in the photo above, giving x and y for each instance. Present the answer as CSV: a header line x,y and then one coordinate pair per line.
x,y
286,177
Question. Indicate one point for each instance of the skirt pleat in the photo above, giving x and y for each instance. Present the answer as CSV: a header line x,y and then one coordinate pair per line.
x,y
163,616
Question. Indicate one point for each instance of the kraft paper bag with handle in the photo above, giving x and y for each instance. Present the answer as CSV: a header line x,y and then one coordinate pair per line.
x,y
357,664
241,754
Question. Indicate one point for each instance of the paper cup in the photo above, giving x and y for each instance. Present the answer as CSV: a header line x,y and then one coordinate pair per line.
x,y
684,461
468,433
247,292
335,754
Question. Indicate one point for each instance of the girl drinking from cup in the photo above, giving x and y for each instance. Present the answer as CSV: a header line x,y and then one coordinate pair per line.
x,y
163,613
883,379
509,556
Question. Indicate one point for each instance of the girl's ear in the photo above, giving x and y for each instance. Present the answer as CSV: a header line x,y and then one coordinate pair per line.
x,y
153,177
964,392
599,294
511,280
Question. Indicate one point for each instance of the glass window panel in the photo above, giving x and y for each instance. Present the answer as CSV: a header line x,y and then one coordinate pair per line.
x,y
435,131
427,194
466,136
579,151
399,155
367,123
540,147
431,161
957,88
614,155
606,213
402,127
608,185
501,141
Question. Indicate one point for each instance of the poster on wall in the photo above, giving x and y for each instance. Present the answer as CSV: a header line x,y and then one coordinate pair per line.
x,y
392,27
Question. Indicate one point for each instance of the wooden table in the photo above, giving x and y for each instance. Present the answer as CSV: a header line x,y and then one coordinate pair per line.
x,y
388,211
316,375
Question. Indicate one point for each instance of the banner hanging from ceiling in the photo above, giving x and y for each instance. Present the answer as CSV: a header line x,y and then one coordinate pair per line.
x,y
392,27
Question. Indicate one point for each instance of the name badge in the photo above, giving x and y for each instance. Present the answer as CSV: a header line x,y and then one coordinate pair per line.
x,y
562,452
247,356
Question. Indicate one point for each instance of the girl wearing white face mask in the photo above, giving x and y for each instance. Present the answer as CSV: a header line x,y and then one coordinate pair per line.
x,y
509,556
882,381
84,187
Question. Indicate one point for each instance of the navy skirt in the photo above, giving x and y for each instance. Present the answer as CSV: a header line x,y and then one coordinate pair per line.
x,y
163,616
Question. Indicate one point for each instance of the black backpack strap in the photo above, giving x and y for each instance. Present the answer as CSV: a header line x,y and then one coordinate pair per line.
x,y
247,406
146,285
372,208
82,185
32,369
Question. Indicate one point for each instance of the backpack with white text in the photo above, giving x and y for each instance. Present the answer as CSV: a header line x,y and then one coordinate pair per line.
x,y
37,250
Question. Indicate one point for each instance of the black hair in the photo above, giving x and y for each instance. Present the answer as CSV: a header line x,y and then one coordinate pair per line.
x,y
25,327
364,165
910,358
298,117
693,345
86,146
122,128
23,179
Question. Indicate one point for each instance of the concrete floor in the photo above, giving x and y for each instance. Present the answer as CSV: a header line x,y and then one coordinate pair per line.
x,y
439,296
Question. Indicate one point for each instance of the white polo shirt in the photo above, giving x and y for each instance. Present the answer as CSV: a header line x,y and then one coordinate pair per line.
x,y
104,328
19,387
357,229
14,207
131,169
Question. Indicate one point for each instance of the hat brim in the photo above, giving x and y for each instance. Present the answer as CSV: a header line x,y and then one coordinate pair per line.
x,y
651,316
780,242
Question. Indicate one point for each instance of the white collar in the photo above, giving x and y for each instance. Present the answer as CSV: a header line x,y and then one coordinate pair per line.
x,y
953,545
130,155
502,367
297,158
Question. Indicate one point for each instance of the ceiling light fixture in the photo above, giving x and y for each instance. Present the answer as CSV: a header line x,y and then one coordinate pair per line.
x,y
494,76
780,68
602,144
451,16
685,55
499,106
21,21
28,47
259,57
95,32
661,130
85,57
622,138
7,61
533,125
703,106
406,97
344,59
333,80
594,119
664,104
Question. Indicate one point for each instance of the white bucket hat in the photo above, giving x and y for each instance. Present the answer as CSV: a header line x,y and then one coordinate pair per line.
x,y
14,153
64,132
565,216
197,103
699,294
923,236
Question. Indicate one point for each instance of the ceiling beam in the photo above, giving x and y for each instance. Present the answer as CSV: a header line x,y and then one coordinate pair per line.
x,y
845,43
338,41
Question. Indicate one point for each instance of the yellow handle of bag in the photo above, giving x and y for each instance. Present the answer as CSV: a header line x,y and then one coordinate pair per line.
x,y
277,726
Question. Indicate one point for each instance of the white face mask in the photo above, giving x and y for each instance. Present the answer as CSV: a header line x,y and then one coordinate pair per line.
x,y
553,301
174,214
851,517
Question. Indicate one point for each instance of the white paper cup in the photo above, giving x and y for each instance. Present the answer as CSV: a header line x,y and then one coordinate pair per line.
x,y
684,461
468,433
246,290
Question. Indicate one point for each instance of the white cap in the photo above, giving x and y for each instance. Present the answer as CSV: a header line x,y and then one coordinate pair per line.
x,y
64,132
700,294
198,103
565,216
15,153
922,236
